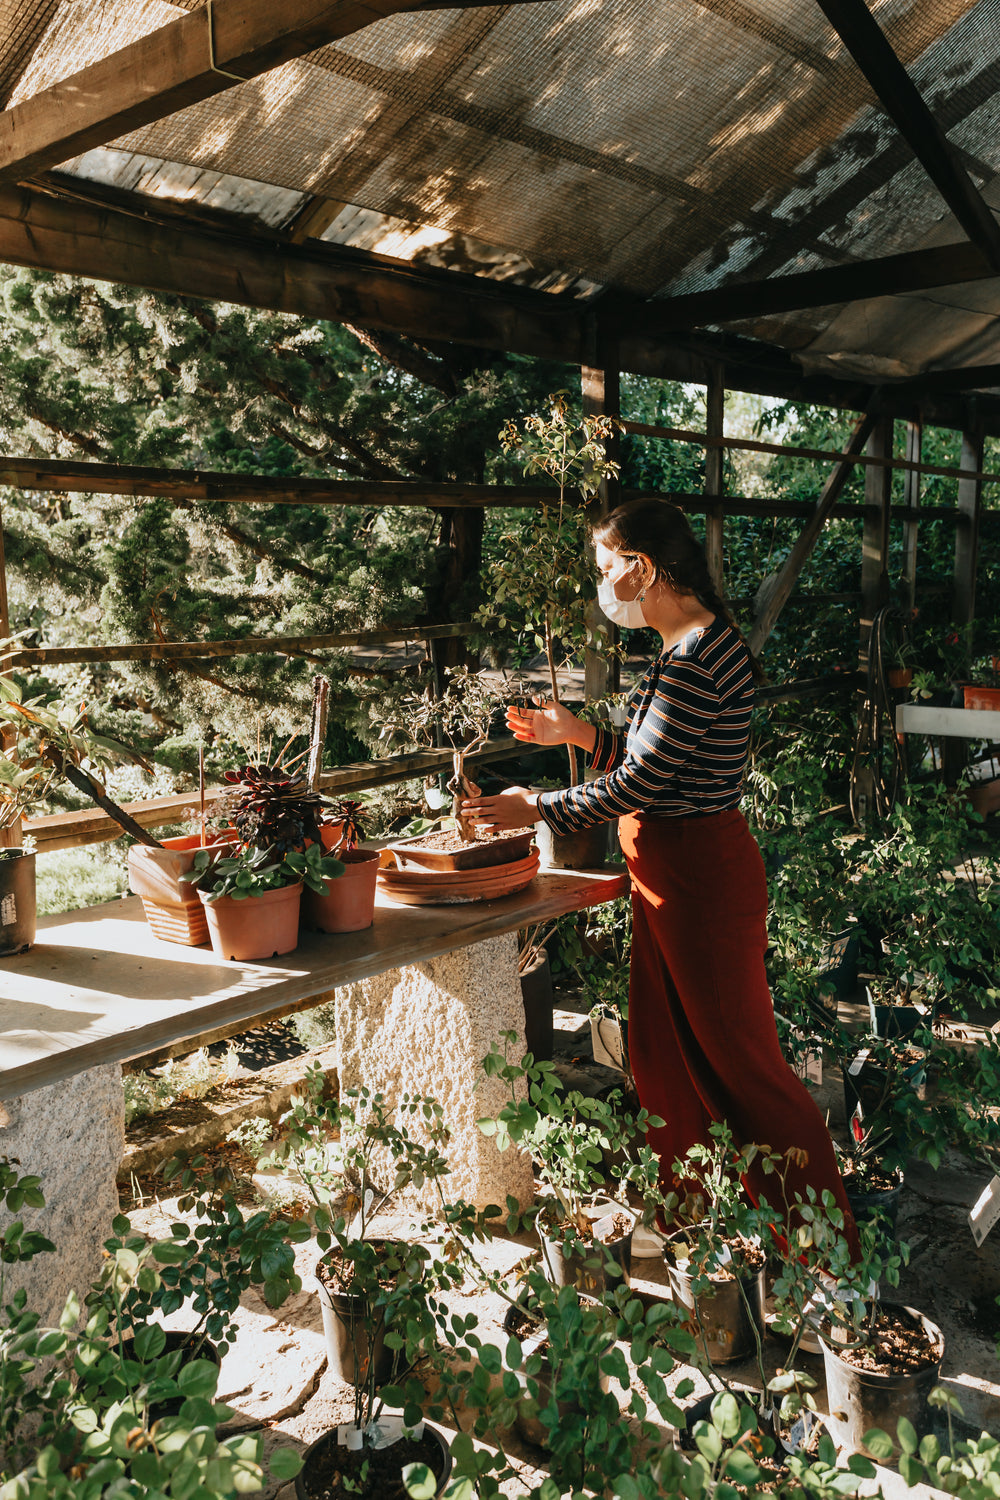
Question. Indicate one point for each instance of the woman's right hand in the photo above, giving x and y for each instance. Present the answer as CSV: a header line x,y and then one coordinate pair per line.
x,y
548,723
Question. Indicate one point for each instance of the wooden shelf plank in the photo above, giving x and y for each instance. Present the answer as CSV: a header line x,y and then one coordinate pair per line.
x,y
97,987
960,723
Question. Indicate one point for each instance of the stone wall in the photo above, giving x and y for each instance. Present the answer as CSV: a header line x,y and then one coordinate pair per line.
x,y
72,1135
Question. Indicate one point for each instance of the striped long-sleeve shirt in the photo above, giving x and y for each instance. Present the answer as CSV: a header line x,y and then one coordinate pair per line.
x,y
686,744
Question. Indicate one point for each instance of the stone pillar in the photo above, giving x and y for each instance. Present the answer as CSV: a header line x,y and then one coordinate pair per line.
x,y
424,1030
71,1135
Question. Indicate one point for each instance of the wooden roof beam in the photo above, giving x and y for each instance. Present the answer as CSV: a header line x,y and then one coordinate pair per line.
x,y
899,96
910,271
193,58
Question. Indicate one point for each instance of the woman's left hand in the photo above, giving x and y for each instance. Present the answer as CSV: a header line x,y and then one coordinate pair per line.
x,y
514,808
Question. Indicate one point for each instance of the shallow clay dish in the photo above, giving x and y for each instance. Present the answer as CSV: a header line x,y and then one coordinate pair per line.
x,y
417,853
453,887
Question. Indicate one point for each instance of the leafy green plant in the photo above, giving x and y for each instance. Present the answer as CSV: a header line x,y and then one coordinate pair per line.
x,y
252,871
543,578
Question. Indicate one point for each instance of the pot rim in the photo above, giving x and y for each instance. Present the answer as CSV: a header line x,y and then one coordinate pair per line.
x,y
873,1377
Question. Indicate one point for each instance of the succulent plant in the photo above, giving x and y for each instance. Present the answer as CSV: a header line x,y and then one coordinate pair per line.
x,y
272,809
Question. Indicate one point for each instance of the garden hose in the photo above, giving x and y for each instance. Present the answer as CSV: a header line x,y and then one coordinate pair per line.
x,y
879,765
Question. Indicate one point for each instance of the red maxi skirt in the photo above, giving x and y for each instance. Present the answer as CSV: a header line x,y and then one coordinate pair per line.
x,y
703,1045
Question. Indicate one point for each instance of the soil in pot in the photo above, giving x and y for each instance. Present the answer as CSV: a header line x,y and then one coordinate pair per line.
x,y
447,850
255,927
728,1319
17,902
332,1471
348,904
887,1377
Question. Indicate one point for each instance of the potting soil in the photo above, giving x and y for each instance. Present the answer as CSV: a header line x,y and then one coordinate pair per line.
x,y
449,840
899,1346
337,1473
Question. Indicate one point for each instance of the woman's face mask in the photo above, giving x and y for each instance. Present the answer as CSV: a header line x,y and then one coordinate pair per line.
x,y
617,571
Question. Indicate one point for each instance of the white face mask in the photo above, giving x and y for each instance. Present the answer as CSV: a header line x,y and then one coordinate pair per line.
x,y
626,612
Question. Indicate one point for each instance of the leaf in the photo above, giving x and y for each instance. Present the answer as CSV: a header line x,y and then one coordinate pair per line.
x,y
907,1435
708,1441
420,1483
879,1444
726,1415
199,1378
741,1468
150,1342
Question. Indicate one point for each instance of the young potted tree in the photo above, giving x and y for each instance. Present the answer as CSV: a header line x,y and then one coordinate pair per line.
x,y
585,1230
354,1156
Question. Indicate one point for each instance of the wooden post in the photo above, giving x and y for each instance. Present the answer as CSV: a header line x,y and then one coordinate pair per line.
x,y
601,387
911,495
462,533
715,422
970,495
875,543
10,838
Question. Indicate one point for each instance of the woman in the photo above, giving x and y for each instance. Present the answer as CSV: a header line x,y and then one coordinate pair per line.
x,y
702,1040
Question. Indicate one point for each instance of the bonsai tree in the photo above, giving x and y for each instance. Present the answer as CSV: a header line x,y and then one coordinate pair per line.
x,y
463,713
543,576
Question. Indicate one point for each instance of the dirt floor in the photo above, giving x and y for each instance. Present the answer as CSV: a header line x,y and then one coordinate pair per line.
x,y
276,1376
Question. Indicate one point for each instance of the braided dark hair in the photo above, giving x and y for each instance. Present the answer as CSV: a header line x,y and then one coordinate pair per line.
x,y
659,531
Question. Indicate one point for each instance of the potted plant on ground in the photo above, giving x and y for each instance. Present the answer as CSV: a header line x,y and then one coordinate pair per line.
x,y
45,742
585,1229
346,903
354,1156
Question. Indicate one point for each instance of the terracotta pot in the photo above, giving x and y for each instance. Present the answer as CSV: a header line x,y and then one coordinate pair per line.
x,y
349,902
17,902
980,697
255,927
454,887
172,908
900,677
414,854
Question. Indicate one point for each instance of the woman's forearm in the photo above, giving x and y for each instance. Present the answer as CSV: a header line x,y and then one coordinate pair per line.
x,y
584,735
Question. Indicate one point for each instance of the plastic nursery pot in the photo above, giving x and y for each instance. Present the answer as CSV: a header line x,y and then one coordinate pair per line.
x,y
894,1021
868,1203
255,927
859,1399
728,1314
532,1335
593,1269
326,1462
586,850
348,1345
348,904
17,902
537,997
173,911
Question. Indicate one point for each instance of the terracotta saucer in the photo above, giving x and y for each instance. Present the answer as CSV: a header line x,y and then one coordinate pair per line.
x,y
453,887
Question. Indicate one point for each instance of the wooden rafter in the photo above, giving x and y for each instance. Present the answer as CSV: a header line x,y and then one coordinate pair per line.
x,y
870,48
775,592
193,58
68,476
911,271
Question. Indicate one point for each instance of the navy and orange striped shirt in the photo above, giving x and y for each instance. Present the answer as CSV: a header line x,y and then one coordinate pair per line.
x,y
687,739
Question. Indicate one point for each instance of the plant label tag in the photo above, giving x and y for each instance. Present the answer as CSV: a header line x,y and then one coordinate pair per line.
x,y
859,1062
604,1228
985,1211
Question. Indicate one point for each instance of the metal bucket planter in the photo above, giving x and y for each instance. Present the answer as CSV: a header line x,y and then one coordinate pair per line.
x,y
586,850
595,1268
17,902
351,1344
728,1320
312,1481
859,1400
870,1203
536,994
